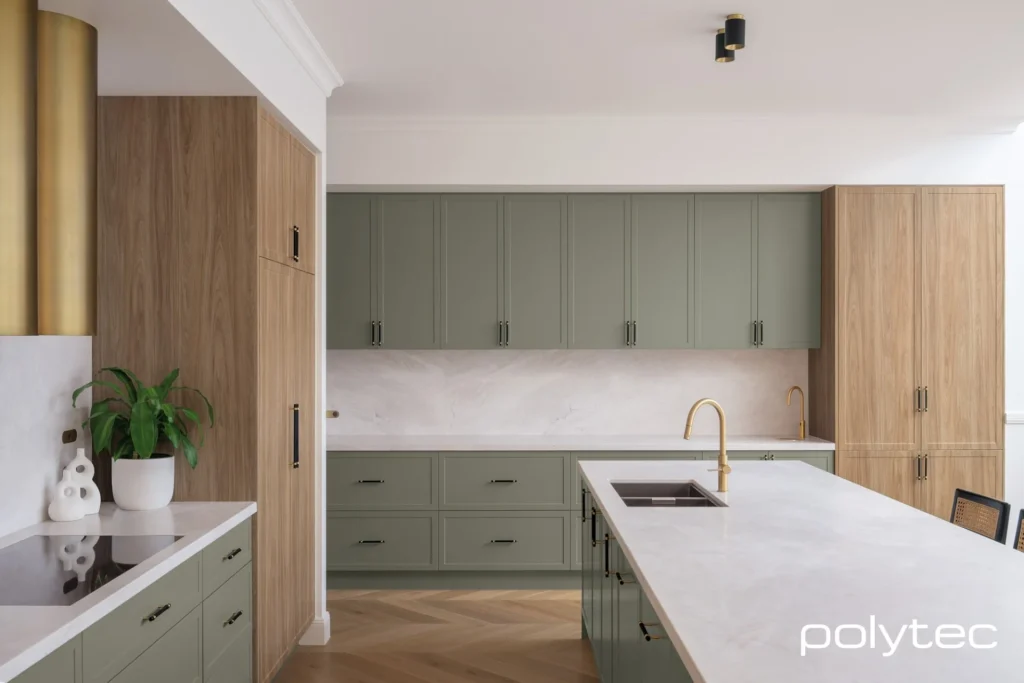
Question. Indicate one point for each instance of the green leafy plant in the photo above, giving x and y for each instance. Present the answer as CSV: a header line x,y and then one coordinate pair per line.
x,y
133,422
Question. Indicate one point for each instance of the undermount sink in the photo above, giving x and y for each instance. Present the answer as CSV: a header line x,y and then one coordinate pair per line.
x,y
683,494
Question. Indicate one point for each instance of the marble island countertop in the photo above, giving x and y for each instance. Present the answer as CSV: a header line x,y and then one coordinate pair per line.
x,y
735,587
567,442
29,633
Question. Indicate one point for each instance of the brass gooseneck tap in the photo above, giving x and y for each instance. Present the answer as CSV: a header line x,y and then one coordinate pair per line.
x,y
803,425
723,468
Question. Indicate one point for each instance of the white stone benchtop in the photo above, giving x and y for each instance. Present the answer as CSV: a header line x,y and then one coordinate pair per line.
x,y
567,442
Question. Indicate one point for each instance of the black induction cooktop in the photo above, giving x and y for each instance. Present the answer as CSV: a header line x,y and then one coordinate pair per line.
x,y
61,570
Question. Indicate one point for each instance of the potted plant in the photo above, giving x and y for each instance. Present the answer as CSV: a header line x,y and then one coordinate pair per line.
x,y
132,425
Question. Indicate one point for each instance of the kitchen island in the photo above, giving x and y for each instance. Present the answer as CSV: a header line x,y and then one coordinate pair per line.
x,y
802,577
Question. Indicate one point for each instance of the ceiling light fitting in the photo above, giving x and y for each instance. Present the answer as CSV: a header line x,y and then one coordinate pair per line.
x,y
721,54
735,32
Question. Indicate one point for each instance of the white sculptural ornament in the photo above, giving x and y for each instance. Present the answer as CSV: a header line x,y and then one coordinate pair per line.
x,y
76,494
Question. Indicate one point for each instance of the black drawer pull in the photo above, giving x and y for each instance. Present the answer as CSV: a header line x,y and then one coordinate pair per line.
x,y
504,540
504,481
231,555
647,636
233,619
295,436
370,481
159,610
295,243
622,581
371,542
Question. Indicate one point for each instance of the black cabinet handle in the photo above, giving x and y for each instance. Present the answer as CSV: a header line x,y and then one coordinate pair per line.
x,y
926,404
380,333
593,527
607,556
755,332
926,467
634,333
157,612
501,338
917,400
295,436
295,243
627,334
372,542
583,503
370,481
504,481
760,333
233,618
231,555
504,540
373,333
507,328
647,636
622,581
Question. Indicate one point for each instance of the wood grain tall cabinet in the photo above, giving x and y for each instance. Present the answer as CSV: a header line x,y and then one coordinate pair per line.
x,y
909,378
206,262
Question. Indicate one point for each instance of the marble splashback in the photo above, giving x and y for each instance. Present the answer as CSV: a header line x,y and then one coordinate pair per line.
x,y
560,392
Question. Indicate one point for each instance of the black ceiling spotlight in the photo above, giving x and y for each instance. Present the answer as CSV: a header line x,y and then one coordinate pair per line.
x,y
721,54
735,32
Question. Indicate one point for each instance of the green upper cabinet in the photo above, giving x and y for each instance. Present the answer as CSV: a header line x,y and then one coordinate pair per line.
x,y
408,271
662,271
725,244
351,295
471,264
789,270
599,271
536,271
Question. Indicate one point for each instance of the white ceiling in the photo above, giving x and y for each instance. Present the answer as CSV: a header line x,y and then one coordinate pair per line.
x,y
147,48
958,59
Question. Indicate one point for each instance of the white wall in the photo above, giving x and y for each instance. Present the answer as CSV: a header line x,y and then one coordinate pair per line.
x,y
694,153
560,392
37,376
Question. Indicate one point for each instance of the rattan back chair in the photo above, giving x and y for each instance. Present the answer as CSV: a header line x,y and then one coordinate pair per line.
x,y
981,514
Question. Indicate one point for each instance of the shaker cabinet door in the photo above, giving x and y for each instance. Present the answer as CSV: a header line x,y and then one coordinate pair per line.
x,y
662,271
789,270
471,265
599,271
536,271
351,288
725,244
409,267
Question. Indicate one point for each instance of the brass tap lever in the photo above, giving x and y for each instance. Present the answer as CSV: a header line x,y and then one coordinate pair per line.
x,y
803,425
723,468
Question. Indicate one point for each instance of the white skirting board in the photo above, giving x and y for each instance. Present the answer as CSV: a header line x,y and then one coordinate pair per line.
x,y
319,632
1015,418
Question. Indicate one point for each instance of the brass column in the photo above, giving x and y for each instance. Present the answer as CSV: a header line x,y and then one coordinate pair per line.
x,y
66,181
18,167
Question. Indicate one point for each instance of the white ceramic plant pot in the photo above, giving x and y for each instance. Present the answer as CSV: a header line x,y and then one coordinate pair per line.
x,y
143,484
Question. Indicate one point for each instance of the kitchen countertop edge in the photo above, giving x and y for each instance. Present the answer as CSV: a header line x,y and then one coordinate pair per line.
x,y
566,442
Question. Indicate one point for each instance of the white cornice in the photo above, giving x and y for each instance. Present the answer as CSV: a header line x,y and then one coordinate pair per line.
x,y
1015,418
289,24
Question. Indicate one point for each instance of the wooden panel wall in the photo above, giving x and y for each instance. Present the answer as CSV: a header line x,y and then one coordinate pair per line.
x,y
821,362
177,266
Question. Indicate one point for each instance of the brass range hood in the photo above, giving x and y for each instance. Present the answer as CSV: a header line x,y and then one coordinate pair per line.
x,y
48,78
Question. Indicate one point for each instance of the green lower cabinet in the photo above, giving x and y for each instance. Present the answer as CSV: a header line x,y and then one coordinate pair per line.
x,y
659,661
227,634
823,460
176,658
503,540
627,662
63,665
391,540
234,665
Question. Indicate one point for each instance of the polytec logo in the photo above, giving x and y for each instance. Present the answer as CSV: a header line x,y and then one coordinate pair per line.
x,y
878,636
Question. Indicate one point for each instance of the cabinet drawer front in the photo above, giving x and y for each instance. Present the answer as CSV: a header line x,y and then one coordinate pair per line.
x,y
116,640
382,481
504,540
175,658
225,556
234,665
383,540
505,480
226,614
60,666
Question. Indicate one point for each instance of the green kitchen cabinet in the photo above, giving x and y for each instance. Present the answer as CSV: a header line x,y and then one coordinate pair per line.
x,y
725,265
662,271
659,660
504,540
351,294
176,658
599,271
382,540
536,278
408,271
472,305
789,271
627,661
63,665
823,460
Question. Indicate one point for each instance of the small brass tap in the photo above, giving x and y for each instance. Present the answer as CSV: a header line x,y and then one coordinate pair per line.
x,y
803,425
723,468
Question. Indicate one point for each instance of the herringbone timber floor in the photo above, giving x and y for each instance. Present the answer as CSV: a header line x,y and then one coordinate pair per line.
x,y
448,637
